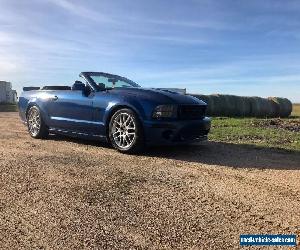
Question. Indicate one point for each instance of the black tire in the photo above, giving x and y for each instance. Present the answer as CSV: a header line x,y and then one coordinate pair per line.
x,y
119,129
35,123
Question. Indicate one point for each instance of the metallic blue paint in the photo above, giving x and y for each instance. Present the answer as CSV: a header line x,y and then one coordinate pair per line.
x,y
74,113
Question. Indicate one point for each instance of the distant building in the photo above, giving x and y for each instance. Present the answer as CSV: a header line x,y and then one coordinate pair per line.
x,y
7,94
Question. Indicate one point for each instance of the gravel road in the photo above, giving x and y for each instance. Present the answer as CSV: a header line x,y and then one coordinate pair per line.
x,y
65,193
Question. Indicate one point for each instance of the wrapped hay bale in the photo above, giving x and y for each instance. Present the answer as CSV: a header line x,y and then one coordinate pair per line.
x,y
219,107
257,107
239,106
245,106
253,106
261,107
212,103
226,105
273,108
285,106
230,105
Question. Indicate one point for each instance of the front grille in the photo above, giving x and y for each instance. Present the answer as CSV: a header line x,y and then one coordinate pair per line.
x,y
191,112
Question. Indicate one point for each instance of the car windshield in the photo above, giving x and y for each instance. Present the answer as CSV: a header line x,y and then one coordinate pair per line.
x,y
107,81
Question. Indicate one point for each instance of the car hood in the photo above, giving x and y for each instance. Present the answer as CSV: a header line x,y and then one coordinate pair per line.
x,y
157,95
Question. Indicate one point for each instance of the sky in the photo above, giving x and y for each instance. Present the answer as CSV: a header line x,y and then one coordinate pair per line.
x,y
206,46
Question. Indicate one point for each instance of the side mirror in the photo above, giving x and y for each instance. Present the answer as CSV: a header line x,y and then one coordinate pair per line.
x,y
87,91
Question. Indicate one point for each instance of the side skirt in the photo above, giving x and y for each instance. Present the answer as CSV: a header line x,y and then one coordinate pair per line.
x,y
76,134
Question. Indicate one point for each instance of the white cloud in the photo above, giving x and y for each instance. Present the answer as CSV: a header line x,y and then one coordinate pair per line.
x,y
202,24
169,39
7,67
78,9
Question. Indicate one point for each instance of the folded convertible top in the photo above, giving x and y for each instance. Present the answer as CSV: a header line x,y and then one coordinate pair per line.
x,y
47,88
56,88
30,88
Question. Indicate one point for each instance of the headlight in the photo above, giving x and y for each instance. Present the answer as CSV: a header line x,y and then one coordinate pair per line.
x,y
164,111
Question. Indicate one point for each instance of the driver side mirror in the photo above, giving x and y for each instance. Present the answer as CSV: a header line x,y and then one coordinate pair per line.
x,y
87,90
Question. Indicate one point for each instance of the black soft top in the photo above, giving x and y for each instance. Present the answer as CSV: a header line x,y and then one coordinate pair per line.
x,y
56,88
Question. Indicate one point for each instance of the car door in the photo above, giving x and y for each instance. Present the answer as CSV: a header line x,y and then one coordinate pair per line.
x,y
71,110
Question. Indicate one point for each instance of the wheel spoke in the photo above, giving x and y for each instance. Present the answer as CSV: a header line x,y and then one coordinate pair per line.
x,y
126,141
122,119
119,124
128,119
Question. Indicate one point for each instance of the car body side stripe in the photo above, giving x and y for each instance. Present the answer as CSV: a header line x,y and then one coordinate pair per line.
x,y
74,120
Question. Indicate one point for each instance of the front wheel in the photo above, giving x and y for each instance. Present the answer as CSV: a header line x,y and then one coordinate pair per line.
x,y
36,126
125,131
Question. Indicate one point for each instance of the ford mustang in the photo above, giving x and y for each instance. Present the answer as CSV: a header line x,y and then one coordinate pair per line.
x,y
109,107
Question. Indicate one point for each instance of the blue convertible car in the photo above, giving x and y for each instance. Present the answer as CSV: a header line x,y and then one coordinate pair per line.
x,y
116,109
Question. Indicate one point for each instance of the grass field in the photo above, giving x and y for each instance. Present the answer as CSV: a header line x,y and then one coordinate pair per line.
x,y
257,132
270,133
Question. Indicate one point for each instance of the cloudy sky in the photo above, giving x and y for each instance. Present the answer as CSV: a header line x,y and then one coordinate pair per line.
x,y
234,47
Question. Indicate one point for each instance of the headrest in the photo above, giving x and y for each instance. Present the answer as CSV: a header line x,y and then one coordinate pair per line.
x,y
78,85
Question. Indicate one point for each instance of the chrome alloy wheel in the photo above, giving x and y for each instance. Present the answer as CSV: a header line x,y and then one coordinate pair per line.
x,y
34,122
124,130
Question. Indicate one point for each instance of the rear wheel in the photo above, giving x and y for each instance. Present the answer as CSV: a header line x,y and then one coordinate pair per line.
x,y
125,131
36,125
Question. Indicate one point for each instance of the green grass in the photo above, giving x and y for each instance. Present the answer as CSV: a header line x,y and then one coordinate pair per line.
x,y
244,131
8,107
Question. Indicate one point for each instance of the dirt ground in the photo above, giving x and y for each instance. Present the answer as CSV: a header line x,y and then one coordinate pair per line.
x,y
292,125
65,193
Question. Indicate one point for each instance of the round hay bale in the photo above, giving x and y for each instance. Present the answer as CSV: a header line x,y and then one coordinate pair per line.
x,y
270,108
253,106
241,106
244,106
210,105
273,108
284,104
261,107
257,107
218,105
230,105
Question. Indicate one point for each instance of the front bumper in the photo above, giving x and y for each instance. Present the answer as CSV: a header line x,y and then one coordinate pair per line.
x,y
176,132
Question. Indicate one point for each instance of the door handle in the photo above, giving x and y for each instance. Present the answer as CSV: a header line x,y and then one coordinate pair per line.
x,y
54,98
